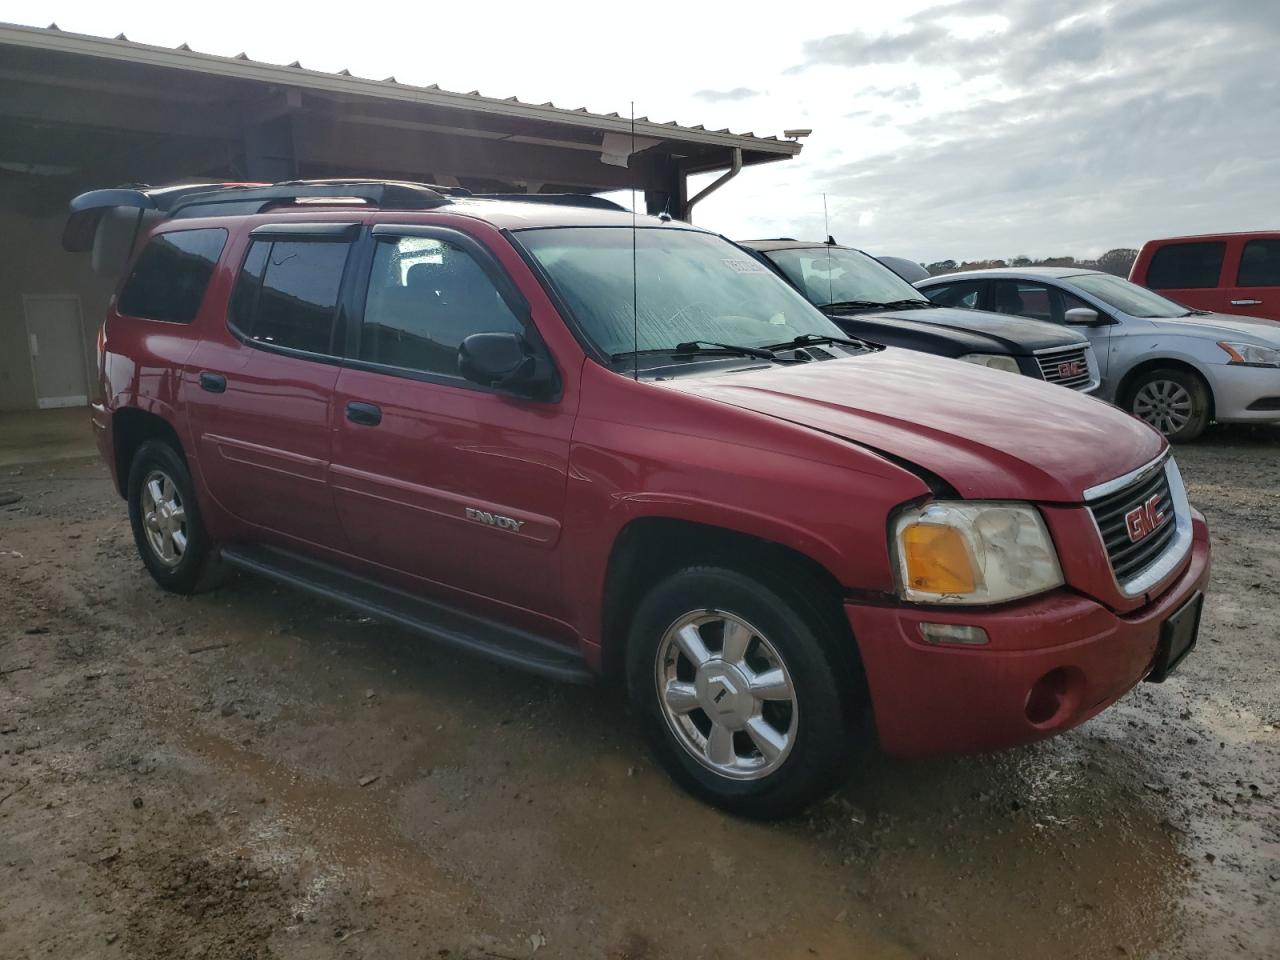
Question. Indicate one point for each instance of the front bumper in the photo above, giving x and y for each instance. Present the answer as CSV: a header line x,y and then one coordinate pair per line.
x,y
931,699
1237,388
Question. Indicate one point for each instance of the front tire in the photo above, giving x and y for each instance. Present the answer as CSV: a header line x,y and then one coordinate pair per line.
x,y
744,690
1175,402
167,529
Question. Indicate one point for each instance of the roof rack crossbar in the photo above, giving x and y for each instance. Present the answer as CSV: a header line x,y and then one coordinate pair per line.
x,y
387,194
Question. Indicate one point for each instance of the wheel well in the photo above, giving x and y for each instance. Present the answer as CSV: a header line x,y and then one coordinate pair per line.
x,y
1130,378
650,548
131,428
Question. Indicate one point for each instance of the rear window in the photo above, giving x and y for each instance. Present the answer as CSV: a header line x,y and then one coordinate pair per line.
x,y
1186,266
1260,264
171,274
287,293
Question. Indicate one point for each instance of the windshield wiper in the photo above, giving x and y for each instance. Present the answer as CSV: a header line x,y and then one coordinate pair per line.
x,y
813,339
700,347
915,303
851,305
710,346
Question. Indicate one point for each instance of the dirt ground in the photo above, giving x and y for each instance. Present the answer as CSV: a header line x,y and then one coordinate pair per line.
x,y
252,774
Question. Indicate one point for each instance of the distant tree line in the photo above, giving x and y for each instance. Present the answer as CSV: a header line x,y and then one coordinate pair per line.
x,y
1117,261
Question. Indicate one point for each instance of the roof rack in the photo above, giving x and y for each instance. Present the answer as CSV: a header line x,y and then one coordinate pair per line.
x,y
231,199
555,199
238,199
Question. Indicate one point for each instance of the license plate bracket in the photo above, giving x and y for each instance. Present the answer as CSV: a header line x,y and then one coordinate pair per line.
x,y
1178,636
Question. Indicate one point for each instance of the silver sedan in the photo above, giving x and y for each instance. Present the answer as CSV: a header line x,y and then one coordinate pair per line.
x,y
1174,367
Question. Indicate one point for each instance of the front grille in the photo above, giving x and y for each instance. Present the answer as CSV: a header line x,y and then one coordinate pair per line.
x,y
1130,558
1067,368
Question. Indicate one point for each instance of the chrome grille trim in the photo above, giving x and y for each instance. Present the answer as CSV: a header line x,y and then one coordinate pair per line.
x,y
1048,360
1172,540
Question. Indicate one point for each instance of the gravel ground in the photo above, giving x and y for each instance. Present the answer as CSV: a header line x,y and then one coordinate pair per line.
x,y
251,774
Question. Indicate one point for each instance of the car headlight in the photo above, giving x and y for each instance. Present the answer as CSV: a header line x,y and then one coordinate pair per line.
x,y
1250,354
993,360
950,551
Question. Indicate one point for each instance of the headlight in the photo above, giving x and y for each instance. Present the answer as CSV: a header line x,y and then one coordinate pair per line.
x,y
993,360
1250,354
951,551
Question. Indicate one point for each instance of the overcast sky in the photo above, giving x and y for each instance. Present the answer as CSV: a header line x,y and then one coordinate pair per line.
x,y
965,129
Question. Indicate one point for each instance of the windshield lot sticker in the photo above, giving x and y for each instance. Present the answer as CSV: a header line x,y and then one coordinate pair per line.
x,y
746,266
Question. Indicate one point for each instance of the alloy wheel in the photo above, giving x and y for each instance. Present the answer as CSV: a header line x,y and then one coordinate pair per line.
x,y
726,694
1164,404
164,518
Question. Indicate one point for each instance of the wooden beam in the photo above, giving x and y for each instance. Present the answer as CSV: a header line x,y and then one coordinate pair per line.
x,y
328,141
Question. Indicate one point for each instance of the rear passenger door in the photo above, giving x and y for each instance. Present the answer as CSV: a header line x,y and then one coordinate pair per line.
x,y
434,476
1256,292
260,389
1191,273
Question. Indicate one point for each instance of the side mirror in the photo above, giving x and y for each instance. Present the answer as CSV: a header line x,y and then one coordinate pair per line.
x,y
504,361
1083,317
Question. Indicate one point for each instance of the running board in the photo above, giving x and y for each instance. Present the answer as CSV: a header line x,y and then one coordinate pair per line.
x,y
437,621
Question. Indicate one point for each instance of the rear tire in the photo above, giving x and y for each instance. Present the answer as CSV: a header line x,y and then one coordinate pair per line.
x,y
1176,402
167,529
745,693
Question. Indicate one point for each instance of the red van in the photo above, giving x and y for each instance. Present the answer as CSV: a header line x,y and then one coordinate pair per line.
x,y
1223,272
590,444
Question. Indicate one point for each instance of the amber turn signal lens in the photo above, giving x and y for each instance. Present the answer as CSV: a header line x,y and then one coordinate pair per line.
x,y
937,559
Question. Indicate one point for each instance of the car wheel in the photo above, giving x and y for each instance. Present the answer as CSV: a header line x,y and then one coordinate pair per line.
x,y
742,690
166,521
1175,402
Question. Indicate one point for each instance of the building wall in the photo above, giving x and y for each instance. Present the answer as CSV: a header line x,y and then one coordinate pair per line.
x,y
32,261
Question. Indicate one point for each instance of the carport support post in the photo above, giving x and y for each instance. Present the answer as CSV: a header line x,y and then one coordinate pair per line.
x,y
670,195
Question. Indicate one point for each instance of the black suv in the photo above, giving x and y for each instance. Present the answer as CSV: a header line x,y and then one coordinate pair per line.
x,y
868,300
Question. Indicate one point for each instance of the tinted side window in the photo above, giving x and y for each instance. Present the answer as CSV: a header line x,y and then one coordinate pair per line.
x,y
171,274
1071,302
1181,266
287,293
1025,299
425,297
1260,264
955,295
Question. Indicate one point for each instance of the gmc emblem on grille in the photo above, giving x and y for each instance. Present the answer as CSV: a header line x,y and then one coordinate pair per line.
x,y
1071,368
1143,519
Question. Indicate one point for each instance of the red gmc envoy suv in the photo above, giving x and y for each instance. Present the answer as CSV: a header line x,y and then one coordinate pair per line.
x,y
587,443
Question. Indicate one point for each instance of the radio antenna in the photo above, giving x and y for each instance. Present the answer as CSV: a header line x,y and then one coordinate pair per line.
x,y
826,228
635,285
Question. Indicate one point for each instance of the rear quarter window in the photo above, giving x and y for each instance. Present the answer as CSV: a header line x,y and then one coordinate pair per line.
x,y
1186,266
963,295
170,276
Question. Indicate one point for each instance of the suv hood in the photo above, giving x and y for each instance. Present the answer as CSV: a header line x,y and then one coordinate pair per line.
x,y
991,435
1222,326
978,330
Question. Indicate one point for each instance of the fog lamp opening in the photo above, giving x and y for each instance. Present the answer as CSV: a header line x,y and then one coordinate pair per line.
x,y
1054,697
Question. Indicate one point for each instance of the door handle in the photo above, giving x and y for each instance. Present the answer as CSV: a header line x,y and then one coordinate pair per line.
x,y
213,382
365,414
1245,303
